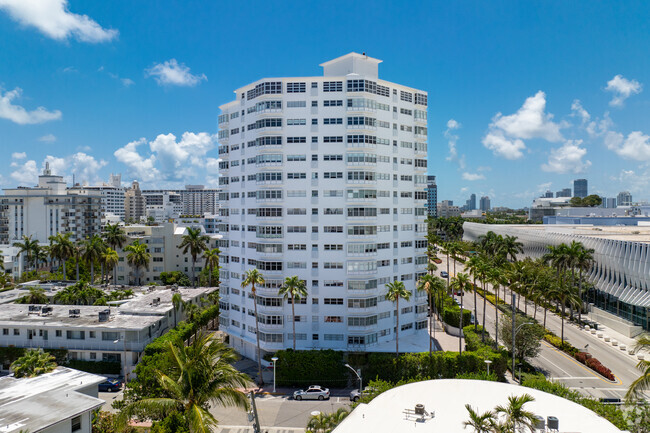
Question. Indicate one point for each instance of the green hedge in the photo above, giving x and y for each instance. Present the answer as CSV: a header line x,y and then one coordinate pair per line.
x,y
451,316
309,367
386,366
96,367
610,412
473,338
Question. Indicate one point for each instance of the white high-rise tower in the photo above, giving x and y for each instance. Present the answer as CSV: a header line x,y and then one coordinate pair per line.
x,y
324,178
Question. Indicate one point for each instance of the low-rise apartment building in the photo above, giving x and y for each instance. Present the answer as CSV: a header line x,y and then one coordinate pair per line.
x,y
94,333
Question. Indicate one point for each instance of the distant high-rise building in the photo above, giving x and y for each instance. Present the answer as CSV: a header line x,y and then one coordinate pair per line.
x,y
485,203
566,192
471,203
447,209
610,202
47,209
548,194
134,203
432,197
112,194
196,199
580,188
624,198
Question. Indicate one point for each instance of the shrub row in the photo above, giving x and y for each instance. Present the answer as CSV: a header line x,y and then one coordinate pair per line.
x,y
557,342
309,367
96,367
451,315
610,412
473,338
599,368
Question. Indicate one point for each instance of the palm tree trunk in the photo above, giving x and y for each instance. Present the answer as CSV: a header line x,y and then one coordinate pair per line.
x,y
430,326
397,331
65,274
544,316
563,322
77,263
484,310
194,276
460,334
92,272
580,296
260,379
293,314
496,314
475,307
210,279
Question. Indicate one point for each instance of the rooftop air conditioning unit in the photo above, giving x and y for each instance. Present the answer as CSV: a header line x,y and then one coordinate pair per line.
x,y
34,309
47,310
540,423
419,409
553,423
74,313
104,315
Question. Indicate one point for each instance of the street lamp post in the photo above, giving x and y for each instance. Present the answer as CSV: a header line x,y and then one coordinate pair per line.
x,y
124,360
514,335
275,363
358,374
488,362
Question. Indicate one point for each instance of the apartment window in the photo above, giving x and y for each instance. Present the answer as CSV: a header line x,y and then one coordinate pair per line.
x,y
333,301
314,85
333,103
333,86
75,335
17,332
59,333
93,356
296,104
296,87
76,423
111,357
5,331
333,121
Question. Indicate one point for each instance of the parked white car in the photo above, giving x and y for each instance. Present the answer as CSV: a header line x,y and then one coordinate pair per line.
x,y
314,392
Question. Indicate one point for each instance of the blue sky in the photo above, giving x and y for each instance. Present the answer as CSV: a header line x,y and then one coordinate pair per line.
x,y
523,96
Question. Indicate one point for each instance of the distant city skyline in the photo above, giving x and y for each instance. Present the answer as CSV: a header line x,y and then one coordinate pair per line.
x,y
127,88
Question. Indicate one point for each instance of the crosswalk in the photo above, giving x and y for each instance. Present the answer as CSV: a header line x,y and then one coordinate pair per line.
x,y
249,429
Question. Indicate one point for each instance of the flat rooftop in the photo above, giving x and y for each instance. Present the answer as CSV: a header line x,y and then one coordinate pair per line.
x,y
621,233
445,399
135,314
33,404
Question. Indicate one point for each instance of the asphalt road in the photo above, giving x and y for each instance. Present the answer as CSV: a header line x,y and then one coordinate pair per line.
x,y
275,410
561,367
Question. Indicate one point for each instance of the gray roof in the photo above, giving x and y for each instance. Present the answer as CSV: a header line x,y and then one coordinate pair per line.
x,y
33,404
144,304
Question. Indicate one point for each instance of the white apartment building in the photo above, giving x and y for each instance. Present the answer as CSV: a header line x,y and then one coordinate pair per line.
x,y
162,241
112,196
46,210
195,199
163,205
61,401
325,179
89,333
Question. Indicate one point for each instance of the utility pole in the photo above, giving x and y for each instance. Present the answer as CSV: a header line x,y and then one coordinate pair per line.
x,y
252,415
514,316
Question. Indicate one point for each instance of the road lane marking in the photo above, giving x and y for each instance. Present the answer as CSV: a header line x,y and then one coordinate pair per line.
x,y
618,381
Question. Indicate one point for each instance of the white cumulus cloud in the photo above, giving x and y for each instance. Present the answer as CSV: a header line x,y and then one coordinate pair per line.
x,y
567,158
171,73
169,158
26,174
635,146
48,138
506,133
19,155
139,167
473,176
53,19
622,88
20,115
84,167
452,139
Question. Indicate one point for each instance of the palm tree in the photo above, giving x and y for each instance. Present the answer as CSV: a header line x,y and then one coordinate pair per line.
x,y
61,248
396,290
455,249
93,250
212,261
474,265
445,249
510,247
77,252
515,413
642,383
326,422
177,302
36,296
253,277
481,423
431,285
33,363
564,294
110,259
29,249
138,256
584,259
460,283
114,236
195,243
483,271
495,277
199,375
295,289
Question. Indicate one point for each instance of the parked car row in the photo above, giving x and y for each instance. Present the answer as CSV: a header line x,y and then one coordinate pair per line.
x,y
314,392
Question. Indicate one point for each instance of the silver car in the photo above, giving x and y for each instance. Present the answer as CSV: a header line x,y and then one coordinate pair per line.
x,y
314,392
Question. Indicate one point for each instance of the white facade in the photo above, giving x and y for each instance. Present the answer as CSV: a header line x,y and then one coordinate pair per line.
x,y
62,401
163,205
46,210
324,178
122,338
621,270
162,241
195,199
